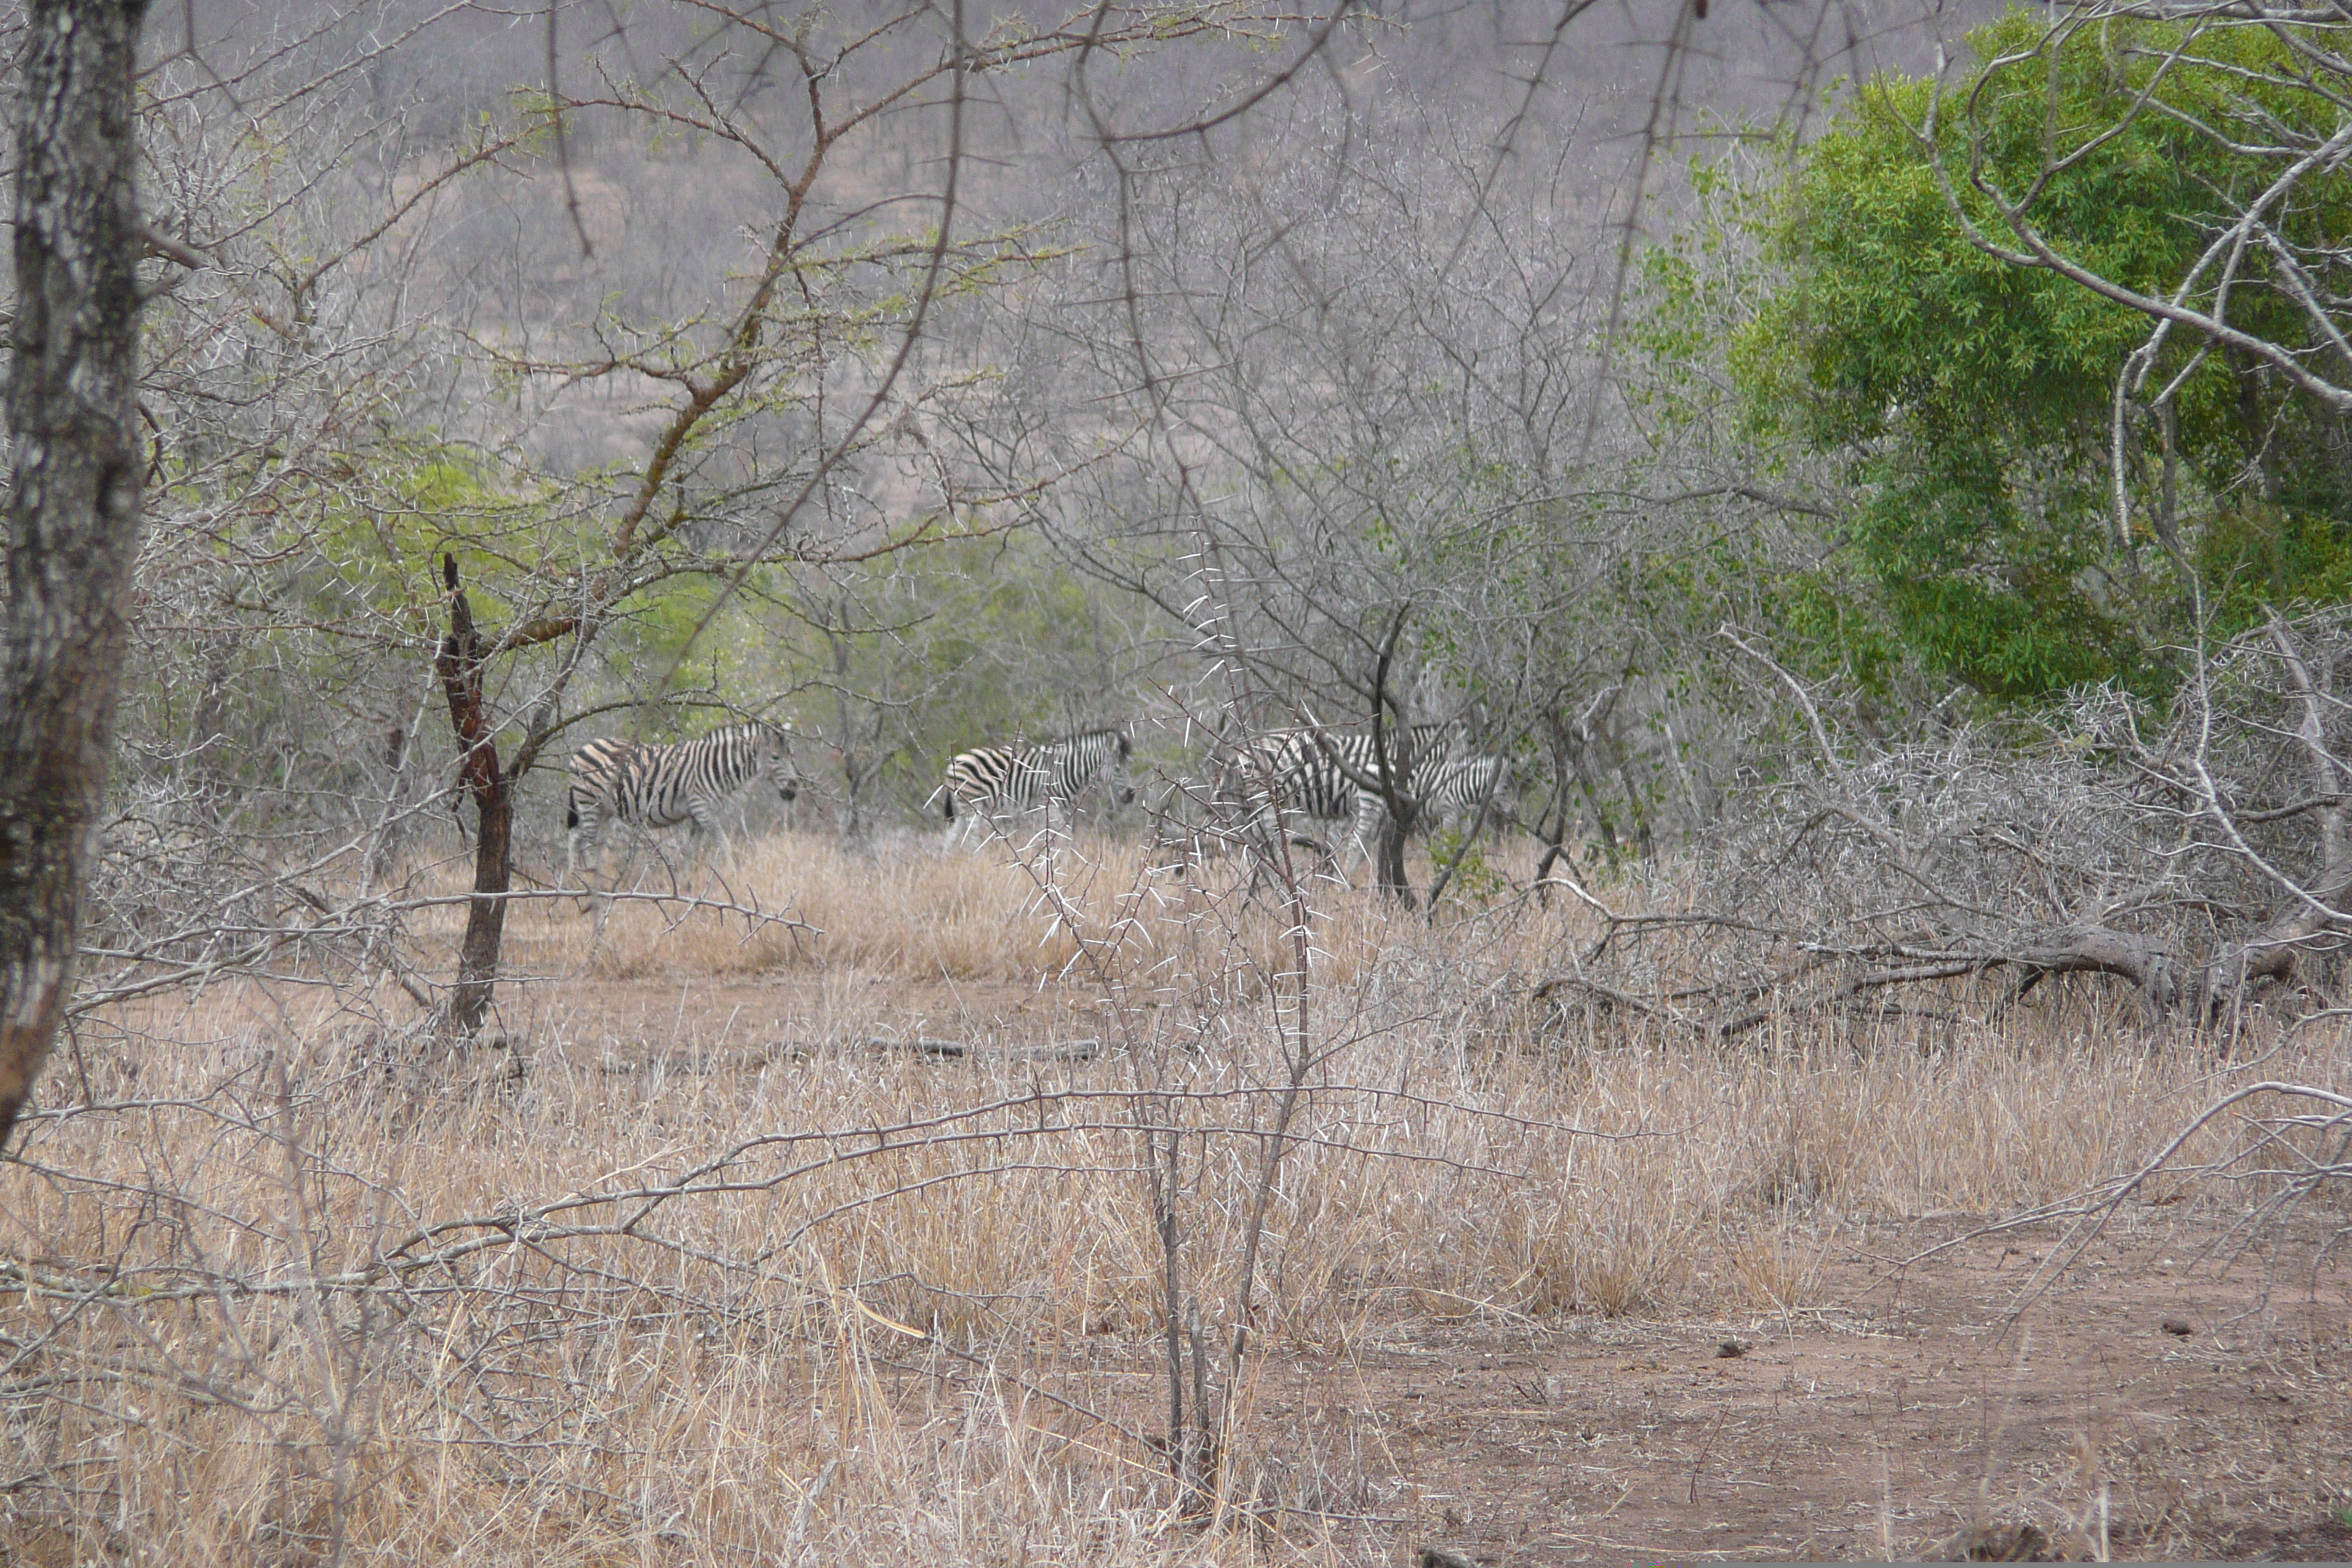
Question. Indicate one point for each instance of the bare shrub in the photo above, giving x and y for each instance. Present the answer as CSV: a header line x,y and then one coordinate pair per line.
x,y
2198,856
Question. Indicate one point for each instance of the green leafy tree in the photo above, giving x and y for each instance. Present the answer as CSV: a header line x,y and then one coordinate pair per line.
x,y
2044,493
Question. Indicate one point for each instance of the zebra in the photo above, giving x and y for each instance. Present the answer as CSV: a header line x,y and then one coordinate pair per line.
x,y
990,782
661,787
1452,790
1313,773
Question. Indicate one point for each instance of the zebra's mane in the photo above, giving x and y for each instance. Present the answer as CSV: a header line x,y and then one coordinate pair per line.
x,y
1126,743
750,726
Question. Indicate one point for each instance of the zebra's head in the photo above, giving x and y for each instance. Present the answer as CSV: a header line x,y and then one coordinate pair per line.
x,y
1122,781
776,761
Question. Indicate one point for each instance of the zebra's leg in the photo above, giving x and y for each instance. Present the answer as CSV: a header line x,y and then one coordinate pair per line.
x,y
973,830
1370,812
998,827
1254,851
1012,826
708,829
1061,833
1291,855
590,832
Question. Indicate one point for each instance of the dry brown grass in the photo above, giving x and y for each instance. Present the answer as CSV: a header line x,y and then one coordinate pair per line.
x,y
907,910
242,1337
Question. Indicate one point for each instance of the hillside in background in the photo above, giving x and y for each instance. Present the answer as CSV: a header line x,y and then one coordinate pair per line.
x,y
1182,784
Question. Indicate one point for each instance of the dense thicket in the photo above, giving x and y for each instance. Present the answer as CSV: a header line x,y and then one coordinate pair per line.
x,y
912,425
1900,563
2047,490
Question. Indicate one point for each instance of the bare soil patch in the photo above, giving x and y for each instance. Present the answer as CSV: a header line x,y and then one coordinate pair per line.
x,y
1882,1423
830,1243
1907,1401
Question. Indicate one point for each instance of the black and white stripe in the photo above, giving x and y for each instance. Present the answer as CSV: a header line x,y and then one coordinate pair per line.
x,y
661,787
1452,791
993,781
1314,773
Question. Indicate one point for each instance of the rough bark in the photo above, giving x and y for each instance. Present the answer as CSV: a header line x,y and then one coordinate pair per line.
x,y
2089,947
1392,764
73,507
1395,830
459,667
2274,952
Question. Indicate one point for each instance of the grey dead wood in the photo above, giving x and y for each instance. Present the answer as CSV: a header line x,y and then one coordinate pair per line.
x,y
1080,1050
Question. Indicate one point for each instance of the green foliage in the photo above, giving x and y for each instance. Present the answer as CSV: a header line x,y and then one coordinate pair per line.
x,y
1834,627
1982,587
2252,556
901,663
1475,878
1972,399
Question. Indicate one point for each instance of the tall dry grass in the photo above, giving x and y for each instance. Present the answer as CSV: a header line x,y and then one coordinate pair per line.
x,y
1005,912
664,1280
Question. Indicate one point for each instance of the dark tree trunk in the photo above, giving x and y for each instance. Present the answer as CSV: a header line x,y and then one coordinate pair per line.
x,y
1396,757
459,665
1392,765
853,771
73,502
1396,829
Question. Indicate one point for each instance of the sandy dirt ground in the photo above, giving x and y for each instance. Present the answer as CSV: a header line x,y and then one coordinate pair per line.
x,y
1918,1398
1876,1427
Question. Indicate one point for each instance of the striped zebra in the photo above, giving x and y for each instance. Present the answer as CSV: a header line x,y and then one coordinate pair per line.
x,y
661,787
1314,773
993,782
1451,791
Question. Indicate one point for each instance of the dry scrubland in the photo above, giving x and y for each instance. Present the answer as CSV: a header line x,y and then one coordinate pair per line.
x,y
709,1260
